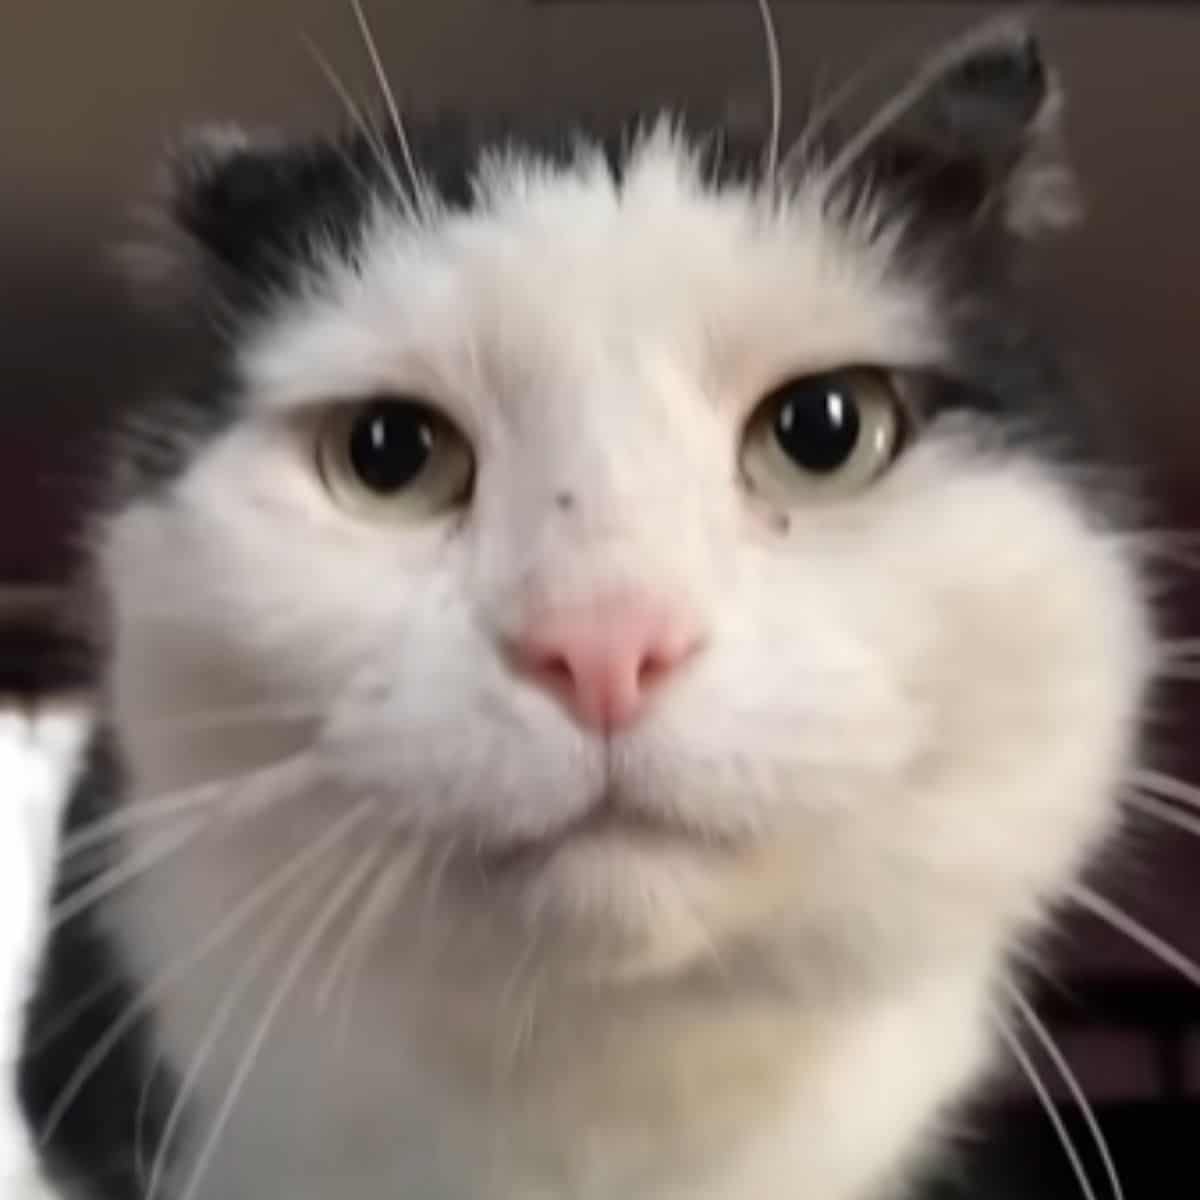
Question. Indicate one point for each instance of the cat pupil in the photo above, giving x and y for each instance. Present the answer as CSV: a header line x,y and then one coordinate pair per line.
x,y
390,445
817,425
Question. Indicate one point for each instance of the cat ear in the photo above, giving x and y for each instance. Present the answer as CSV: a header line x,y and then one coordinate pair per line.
x,y
235,212
218,188
978,134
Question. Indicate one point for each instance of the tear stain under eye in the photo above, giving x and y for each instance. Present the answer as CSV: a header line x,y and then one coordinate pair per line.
x,y
780,522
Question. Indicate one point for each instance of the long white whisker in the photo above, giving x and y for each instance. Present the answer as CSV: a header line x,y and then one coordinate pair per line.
x,y
822,113
434,885
355,113
389,99
1160,810
234,995
1056,1056
1046,1100
908,97
161,849
105,829
775,74
73,1011
1159,783
142,1113
373,860
295,967
1091,901
221,933
170,803
388,880
504,1059
389,888
129,869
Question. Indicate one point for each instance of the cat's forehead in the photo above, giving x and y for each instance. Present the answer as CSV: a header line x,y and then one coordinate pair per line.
x,y
565,265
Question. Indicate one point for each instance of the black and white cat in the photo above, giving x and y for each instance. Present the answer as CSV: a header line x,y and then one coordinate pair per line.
x,y
609,656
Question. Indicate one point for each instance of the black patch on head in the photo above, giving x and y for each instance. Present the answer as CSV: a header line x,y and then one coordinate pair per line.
x,y
961,169
83,989
260,212
987,101
263,214
980,144
250,222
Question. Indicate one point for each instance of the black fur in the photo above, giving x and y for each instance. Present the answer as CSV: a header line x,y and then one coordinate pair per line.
x,y
82,989
259,218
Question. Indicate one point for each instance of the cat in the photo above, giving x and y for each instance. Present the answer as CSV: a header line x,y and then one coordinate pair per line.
x,y
609,655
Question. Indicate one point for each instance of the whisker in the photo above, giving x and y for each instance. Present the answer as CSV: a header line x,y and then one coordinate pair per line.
x,y
434,884
387,882
129,869
374,859
389,99
390,886
295,967
355,113
821,114
1159,783
222,932
134,865
504,1060
170,803
1038,1028
1091,901
1046,1100
1160,810
142,1113
67,1017
775,75
909,96
235,994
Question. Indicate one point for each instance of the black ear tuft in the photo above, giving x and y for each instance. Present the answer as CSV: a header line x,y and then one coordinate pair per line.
x,y
988,100
223,192
985,133
243,215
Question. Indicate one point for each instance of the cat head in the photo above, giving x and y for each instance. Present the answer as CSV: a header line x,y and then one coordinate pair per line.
x,y
660,553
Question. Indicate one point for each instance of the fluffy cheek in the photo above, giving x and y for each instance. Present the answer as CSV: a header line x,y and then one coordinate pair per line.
x,y
1038,657
255,626
919,707
1011,634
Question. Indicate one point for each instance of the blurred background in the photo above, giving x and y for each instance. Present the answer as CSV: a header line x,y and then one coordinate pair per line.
x,y
90,93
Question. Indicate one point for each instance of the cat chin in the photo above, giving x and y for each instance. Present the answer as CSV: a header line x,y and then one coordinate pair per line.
x,y
611,902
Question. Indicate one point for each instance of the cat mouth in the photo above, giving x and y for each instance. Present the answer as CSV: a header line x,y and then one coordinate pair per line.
x,y
606,823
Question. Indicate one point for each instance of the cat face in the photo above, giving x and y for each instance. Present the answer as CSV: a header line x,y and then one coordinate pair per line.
x,y
651,555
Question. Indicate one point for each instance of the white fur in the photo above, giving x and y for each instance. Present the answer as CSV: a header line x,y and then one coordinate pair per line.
x,y
39,756
911,714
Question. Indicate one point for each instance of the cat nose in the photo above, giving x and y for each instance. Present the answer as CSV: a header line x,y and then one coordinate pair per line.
x,y
604,660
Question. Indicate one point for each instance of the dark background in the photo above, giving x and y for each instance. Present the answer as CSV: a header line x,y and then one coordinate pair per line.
x,y
90,92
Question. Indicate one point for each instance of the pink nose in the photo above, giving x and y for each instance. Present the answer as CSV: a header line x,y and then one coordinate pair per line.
x,y
604,660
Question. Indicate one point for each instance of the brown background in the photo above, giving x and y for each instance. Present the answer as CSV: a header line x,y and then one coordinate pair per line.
x,y
90,91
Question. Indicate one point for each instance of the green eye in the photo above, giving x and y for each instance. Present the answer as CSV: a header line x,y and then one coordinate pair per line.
x,y
394,459
823,435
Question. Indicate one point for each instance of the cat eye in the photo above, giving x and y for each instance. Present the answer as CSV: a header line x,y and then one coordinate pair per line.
x,y
394,458
823,435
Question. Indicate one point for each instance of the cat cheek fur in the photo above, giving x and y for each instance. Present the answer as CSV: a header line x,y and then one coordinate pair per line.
x,y
853,739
